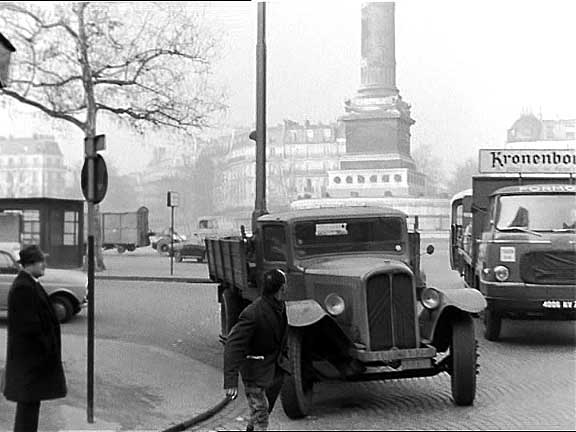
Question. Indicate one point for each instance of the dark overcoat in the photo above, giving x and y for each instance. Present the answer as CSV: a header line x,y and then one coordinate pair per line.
x,y
33,360
260,332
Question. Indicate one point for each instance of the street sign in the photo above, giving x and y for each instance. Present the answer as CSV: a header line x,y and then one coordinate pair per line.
x,y
100,180
173,199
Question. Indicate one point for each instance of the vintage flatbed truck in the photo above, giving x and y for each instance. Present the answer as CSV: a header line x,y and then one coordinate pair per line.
x,y
357,304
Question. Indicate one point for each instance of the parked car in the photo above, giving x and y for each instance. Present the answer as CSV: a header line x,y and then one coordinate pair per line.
x,y
195,249
161,241
66,289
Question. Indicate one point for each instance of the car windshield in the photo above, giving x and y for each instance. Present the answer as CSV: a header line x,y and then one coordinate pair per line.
x,y
356,235
534,212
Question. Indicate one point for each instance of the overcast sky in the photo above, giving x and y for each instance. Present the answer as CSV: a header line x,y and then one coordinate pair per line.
x,y
468,68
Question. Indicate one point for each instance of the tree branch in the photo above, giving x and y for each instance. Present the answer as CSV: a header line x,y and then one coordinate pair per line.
x,y
50,112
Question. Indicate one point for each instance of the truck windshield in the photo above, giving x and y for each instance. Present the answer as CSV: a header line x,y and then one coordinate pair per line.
x,y
357,235
537,212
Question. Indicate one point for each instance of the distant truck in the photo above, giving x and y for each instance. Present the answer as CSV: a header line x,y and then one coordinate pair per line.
x,y
125,231
11,225
513,238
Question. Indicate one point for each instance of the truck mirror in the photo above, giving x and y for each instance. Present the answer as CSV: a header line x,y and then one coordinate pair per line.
x,y
467,204
430,249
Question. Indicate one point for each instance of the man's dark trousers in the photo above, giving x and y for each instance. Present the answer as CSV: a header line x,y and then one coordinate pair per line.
x,y
27,414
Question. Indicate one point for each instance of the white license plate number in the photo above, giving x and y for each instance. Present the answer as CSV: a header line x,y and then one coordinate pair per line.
x,y
559,304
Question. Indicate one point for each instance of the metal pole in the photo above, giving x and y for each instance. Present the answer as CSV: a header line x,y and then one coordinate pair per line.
x,y
260,202
172,243
91,232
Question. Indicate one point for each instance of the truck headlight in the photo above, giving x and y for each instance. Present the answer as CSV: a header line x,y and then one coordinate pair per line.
x,y
501,273
430,298
334,304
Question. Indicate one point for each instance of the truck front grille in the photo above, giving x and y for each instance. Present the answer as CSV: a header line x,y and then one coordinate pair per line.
x,y
391,312
548,267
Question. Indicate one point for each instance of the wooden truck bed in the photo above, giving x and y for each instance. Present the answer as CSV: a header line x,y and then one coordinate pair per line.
x,y
227,261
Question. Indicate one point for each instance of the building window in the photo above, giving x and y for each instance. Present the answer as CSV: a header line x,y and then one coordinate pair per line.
x,y
373,178
361,179
337,180
349,179
31,231
354,194
385,178
310,134
397,178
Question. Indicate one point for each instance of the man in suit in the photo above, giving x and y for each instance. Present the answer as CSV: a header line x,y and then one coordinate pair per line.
x,y
33,361
256,347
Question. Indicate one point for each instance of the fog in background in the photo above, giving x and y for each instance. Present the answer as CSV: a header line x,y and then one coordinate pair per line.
x,y
468,69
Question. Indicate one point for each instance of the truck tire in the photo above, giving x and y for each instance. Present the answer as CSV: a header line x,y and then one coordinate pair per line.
x,y
230,307
492,324
297,390
121,249
463,370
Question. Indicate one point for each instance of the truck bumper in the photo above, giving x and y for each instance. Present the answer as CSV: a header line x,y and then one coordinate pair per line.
x,y
546,301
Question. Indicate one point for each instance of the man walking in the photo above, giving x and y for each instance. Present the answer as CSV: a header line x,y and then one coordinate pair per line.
x,y
33,361
256,347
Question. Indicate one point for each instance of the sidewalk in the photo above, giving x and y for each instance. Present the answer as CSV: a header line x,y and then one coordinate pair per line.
x,y
136,388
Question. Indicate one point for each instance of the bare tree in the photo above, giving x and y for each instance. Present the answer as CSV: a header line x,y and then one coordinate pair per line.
x,y
430,165
462,177
144,63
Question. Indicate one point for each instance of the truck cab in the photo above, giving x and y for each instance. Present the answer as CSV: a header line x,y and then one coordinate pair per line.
x,y
522,255
357,304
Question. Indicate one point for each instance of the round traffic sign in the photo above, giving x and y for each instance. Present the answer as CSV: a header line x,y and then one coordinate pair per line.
x,y
100,179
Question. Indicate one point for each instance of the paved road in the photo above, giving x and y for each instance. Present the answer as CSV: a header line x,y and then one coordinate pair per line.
x,y
525,382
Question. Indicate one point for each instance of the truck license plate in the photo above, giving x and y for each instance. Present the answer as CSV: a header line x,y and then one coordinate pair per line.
x,y
559,304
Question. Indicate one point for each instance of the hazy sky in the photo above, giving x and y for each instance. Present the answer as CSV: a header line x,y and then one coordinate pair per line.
x,y
468,68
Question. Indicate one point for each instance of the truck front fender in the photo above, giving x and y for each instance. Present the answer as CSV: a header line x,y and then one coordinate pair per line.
x,y
435,324
303,313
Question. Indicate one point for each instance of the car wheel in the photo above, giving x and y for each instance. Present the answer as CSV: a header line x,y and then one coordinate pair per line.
x,y
463,366
230,308
131,248
492,324
163,248
121,249
62,308
297,390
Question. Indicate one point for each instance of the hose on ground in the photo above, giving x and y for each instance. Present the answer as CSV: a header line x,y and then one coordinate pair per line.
x,y
200,417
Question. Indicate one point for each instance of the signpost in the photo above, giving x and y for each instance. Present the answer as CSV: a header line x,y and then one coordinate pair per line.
x,y
172,200
94,185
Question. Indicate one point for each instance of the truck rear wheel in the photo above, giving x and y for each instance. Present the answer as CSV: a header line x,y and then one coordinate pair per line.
x,y
297,389
230,307
492,324
463,370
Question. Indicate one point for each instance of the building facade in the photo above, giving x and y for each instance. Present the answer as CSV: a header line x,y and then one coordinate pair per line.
x,y
31,168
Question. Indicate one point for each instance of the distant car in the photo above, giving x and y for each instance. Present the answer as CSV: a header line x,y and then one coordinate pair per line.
x,y
161,241
195,249
66,289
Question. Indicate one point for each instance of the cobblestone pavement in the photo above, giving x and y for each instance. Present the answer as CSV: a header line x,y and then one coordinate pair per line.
x,y
526,382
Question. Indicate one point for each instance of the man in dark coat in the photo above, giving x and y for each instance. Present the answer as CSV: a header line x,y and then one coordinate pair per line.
x,y
33,361
256,347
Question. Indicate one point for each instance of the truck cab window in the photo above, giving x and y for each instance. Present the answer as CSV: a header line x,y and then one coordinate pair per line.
x,y
274,243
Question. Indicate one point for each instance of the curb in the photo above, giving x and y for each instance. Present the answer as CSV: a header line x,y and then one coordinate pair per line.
x,y
157,279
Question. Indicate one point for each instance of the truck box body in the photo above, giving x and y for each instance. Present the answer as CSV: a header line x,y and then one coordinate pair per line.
x,y
130,228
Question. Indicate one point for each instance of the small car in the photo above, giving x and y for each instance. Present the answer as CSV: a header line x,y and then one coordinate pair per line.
x,y
66,289
195,249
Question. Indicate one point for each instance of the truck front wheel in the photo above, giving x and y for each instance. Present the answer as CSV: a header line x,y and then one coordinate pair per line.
x,y
492,324
463,365
298,388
